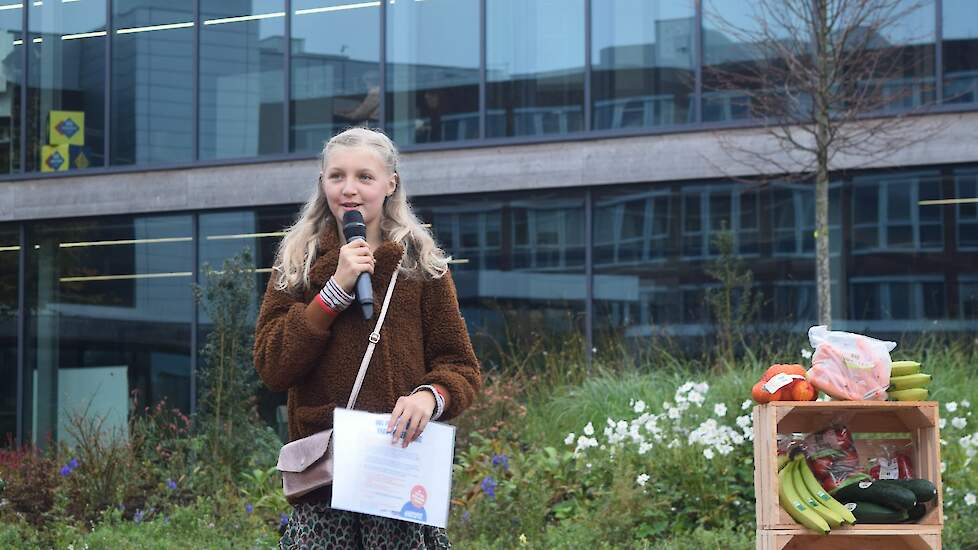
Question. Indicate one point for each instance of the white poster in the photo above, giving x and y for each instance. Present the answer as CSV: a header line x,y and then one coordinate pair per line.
x,y
372,475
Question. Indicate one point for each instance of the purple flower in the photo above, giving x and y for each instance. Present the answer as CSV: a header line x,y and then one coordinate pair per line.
x,y
283,519
249,508
466,516
489,486
501,460
65,471
171,484
138,516
73,464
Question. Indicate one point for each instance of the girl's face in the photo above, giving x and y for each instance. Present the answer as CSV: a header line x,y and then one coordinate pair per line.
x,y
356,179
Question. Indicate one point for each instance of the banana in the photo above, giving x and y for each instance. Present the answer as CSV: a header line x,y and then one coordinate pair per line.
x,y
913,394
909,381
825,499
830,517
903,368
792,504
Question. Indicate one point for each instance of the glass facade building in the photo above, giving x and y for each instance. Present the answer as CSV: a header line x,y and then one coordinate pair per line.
x,y
93,308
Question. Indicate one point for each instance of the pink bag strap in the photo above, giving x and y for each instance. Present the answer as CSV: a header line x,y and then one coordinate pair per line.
x,y
374,338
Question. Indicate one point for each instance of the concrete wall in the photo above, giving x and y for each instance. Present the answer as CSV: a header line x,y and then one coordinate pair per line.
x,y
947,138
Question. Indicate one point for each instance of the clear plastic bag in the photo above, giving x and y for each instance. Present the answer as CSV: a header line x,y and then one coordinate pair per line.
x,y
888,459
848,366
833,458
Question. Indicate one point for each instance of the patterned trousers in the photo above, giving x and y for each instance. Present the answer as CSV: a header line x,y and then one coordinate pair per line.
x,y
316,526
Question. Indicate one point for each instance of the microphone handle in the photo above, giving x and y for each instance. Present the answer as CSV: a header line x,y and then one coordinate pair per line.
x,y
365,295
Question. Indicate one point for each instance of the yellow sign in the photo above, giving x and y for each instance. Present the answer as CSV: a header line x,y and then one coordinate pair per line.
x,y
67,127
54,158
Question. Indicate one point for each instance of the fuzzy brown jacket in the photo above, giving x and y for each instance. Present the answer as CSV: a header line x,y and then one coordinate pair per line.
x,y
423,341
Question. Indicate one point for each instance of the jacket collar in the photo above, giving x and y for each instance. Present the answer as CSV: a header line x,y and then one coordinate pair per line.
x,y
388,254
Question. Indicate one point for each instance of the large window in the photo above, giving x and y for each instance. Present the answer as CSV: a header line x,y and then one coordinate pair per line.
x,y
335,69
643,59
966,188
257,231
242,89
9,266
152,82
11,43
909,59
887,214
66,103
433,71
110,312
535,67
710,211
960,53
898,299
518,263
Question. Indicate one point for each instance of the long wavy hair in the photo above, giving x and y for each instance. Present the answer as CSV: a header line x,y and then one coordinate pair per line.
x,y
298,249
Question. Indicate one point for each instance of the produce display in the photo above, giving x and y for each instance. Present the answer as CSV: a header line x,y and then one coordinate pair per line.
x,y
823,486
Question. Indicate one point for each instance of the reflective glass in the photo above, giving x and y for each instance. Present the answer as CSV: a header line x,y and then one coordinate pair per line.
x,y
960,51
9,267
10,90
242,47
66,126
642,60
535,67
335,69
152,82
433,71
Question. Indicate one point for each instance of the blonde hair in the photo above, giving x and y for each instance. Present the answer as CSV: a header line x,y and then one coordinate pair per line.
x,y
298,249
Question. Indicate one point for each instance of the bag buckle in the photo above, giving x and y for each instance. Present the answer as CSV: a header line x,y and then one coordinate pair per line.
x,y
374,337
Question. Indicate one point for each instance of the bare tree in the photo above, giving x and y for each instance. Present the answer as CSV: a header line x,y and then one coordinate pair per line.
x,y
829,90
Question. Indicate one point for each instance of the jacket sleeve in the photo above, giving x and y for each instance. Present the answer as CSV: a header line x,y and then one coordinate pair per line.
x,y
449,358
287,346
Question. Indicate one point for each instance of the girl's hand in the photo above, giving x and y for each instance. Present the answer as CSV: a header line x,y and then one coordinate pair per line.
x,y
410,416
355,258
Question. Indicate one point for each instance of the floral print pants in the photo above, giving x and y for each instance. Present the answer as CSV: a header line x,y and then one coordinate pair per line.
x,y
316,526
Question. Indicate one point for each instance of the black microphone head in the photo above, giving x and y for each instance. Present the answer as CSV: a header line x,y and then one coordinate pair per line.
x,y
353,225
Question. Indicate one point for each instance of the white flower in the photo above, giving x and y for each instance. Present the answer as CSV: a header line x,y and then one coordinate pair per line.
x,y
702,387
737,439
639,407
588,465
965,403
673,413
744,421
806,353
969,499
720,409
943,466
589,430
746,405
641,479
942,423
644,447
569,440
951,407
708,453
959,422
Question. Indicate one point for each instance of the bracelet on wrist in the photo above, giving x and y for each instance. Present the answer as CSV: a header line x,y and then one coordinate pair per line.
x,y
439,400
333,298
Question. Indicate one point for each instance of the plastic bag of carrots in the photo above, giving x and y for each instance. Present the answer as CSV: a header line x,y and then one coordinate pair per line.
x,y
848,366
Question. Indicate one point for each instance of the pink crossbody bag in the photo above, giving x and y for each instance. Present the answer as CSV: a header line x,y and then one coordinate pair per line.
x,y
307,464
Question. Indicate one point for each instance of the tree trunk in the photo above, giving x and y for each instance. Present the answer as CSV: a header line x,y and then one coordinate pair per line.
x,y
823,274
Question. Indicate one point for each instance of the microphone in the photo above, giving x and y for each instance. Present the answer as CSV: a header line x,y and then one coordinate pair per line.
x,y
354,228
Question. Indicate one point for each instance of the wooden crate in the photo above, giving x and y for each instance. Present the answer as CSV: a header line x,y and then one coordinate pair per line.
x,y
918,420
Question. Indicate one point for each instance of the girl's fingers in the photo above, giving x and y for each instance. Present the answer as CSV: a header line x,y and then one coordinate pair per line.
x,y
395,416
418,430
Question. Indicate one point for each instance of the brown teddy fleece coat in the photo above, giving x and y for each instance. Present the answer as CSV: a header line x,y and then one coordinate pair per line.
x,y
423,341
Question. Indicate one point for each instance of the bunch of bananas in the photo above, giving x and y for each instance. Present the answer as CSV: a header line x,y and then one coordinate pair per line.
x,y
802,496
907,383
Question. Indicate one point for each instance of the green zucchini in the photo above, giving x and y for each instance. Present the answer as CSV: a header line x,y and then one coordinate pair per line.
x,y
878,493
917,512
922,489
870,512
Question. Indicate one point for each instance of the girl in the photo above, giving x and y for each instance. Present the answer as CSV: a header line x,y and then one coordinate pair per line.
x,y
307,342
